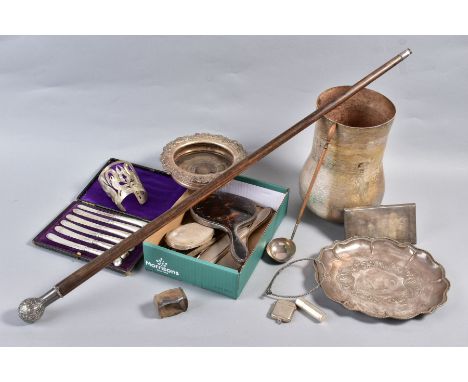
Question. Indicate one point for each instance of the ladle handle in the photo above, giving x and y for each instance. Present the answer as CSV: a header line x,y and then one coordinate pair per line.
x,y
331,133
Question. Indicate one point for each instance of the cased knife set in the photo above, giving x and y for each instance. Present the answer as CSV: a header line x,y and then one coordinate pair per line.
x,y
93,223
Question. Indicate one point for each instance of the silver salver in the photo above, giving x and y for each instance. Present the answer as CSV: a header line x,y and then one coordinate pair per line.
x,y
382,278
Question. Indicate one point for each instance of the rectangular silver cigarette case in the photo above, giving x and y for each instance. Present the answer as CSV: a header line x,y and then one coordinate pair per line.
x,y
397,222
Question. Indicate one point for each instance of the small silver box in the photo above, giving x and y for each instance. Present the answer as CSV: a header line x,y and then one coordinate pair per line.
x,y
283,311
397,222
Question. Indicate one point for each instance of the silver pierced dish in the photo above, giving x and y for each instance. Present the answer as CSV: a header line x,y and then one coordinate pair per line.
x,y
381,277
195,160
118,180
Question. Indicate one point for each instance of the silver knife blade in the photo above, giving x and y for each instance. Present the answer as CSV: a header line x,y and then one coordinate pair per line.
x,y
89,215
127,219
66,232
118,232
99,235
71,244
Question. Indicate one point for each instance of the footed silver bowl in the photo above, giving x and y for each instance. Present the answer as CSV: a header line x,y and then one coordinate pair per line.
x,y
195,160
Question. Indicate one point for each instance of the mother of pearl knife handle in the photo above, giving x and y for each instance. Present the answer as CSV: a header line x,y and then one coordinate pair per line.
x,y
100,227
86,231
80,247
137,222
102,219
66,232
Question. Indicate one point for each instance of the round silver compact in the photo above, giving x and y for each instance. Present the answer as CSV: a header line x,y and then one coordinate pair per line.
x,y
195,160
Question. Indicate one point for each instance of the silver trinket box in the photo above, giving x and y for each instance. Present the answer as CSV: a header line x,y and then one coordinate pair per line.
x,y
283,311
397,222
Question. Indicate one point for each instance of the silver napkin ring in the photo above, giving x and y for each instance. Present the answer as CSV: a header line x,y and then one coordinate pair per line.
x,y
118,180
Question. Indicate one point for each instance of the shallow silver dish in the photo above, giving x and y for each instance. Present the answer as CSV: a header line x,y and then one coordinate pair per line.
x,y
381,277
195,160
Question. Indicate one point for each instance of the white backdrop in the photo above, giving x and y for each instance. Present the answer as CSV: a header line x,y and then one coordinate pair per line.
x,y
67,104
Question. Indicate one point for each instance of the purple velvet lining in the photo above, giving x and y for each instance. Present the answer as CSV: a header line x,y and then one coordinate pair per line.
x,y
162,191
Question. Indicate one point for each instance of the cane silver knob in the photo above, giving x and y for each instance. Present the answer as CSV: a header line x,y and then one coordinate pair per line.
x,y
32,309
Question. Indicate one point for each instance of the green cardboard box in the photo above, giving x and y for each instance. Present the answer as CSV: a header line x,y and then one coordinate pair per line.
x,y
218,278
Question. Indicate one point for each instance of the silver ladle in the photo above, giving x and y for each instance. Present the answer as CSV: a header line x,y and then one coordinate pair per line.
x,y
281,249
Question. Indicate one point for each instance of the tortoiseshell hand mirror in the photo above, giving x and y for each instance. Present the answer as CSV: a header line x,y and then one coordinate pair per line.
x,y
227,212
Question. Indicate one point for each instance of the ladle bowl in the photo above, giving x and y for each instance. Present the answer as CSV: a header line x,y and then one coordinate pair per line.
x,y
281,249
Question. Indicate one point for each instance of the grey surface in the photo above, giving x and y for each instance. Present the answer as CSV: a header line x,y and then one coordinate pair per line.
x,y
68,104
